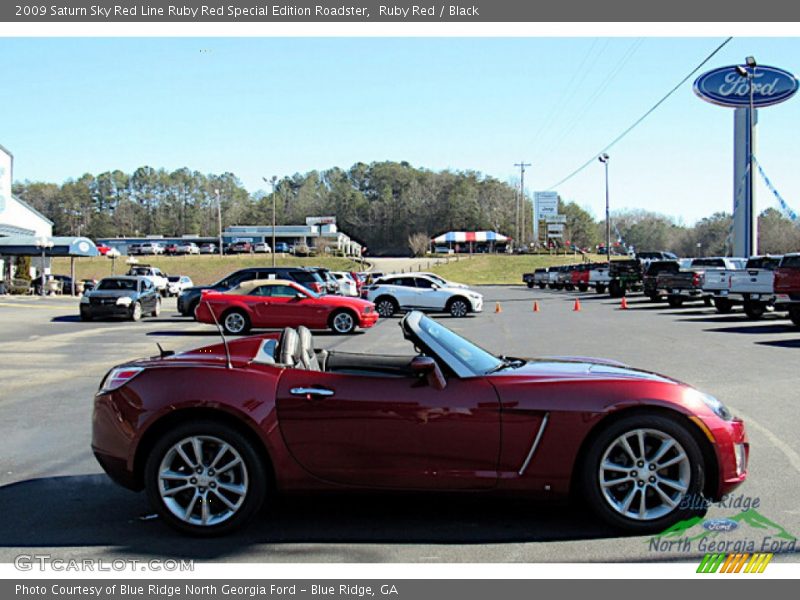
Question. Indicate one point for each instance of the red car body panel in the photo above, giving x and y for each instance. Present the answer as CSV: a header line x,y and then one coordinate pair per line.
x,y
273,312
396,433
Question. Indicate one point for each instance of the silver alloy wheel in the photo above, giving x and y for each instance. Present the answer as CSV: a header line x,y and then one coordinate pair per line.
x,y
343,322
644,474
385,308
157,309
202,480
137,311
234,322
459,308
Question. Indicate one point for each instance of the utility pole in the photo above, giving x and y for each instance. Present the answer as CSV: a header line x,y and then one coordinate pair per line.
x,y
604,158
219,221
272,182
521,201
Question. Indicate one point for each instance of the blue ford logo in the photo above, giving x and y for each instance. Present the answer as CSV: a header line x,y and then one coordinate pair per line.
x,y
720,525
726,87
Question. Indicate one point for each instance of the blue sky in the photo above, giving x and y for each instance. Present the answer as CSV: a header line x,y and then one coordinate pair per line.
x,y
275,106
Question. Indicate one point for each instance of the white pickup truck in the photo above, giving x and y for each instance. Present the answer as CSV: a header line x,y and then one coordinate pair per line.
x,y
154,274
752,286
599,277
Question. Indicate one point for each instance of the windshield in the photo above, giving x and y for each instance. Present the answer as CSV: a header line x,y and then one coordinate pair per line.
x,y
117,284
473,357
173,278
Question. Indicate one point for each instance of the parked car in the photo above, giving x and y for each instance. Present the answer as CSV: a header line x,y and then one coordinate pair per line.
x,y
624,276
347,284
134,249
787,286
171,250
536,277
282,247
121,296
752,286
187,248
262,247
148,248
599,277
154,274
239,248
650,277
103,249
331,283
187,301
448,417
418,292
54,284
88,285
278,303
687,284
443,250
176,284
208,248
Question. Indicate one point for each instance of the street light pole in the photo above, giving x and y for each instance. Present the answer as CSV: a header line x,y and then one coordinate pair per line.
x,y
604,158
750,207
272,182
219,221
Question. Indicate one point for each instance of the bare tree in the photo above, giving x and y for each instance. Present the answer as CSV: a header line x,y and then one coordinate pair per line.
x,y
419,243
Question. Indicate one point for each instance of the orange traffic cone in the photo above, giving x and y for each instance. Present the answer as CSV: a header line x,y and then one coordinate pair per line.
x,y
535,307
624,305
497,308
577,306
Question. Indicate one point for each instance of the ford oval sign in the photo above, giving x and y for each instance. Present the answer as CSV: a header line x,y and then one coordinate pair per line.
x,y
720,525
726,87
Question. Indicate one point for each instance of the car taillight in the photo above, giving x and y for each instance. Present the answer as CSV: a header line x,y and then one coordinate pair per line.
x,y
696,279
116,378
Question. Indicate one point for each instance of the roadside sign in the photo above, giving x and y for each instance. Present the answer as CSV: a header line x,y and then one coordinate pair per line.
x,y
546,204
557,227
555,235
556,218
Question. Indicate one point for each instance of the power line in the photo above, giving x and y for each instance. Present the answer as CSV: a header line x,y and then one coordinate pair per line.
x,y
644,116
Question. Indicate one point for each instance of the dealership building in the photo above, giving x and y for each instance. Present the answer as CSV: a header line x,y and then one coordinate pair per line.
x,y
316,232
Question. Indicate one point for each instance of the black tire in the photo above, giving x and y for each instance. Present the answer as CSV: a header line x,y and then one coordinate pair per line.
x,y
552,286
342,322
136,311
192,308
559,286
386,306
707,301
794,315
675,301
85,316
604,443
156,308
530,284
569,287
754,310
616,289
582,287
253,473
723,305
654,297
235,322
600,288
458,307
542,286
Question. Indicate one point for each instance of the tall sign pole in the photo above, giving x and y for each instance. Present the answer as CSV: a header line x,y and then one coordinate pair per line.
x,y
521,205
746,88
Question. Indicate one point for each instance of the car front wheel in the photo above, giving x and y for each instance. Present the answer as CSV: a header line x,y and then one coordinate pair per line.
x,y
458,308
794,315
136,311
236,322
723,305
205,478
157,308
386,307
640,472
343,322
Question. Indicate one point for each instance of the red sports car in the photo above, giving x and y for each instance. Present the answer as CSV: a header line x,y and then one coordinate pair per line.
x,y
212,433
278,303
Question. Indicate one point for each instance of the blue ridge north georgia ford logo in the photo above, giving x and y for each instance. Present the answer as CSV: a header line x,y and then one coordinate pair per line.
x,y
726,87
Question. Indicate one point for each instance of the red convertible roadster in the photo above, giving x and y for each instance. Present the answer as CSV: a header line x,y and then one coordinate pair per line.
x,y
212,433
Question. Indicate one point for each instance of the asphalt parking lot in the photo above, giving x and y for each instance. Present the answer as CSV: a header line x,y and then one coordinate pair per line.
x,y
55,499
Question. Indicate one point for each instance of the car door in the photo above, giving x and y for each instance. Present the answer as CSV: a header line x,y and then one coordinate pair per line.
x,y
404,290
391,431
291,307
429,295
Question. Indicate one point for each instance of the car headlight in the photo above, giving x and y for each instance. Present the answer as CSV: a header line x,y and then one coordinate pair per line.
x,y
84,300
367,310
716,406
124,301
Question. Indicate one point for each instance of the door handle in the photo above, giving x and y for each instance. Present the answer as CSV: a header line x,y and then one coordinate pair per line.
x,y
310,391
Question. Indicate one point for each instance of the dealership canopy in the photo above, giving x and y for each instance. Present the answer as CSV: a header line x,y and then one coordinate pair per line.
x,y
20,245
460,237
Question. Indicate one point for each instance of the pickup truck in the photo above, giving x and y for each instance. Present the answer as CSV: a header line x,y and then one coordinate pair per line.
x,y
538,277
787,286
650,277
624,276
154,274
687,284
599,277
752,287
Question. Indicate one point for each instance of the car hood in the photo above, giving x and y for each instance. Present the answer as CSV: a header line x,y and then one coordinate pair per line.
x,y
356,303
579,368
111,294
198,288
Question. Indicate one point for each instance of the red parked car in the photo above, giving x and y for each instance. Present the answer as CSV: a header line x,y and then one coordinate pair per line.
x,y
787,286
103,249
278,303
212,433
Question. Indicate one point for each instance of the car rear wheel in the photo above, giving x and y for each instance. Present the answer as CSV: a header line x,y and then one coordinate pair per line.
x,y
386,306
136,311
675,301
723,305
530,284
640,470
542,286
654,297
235,322
794,315
582,287
600,288
458,307
754,310
157,308
205,478
343,322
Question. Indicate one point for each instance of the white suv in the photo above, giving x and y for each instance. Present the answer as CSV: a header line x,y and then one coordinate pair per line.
x,y
419,292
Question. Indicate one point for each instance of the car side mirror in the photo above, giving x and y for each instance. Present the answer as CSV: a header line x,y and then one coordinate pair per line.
x,y
425,367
